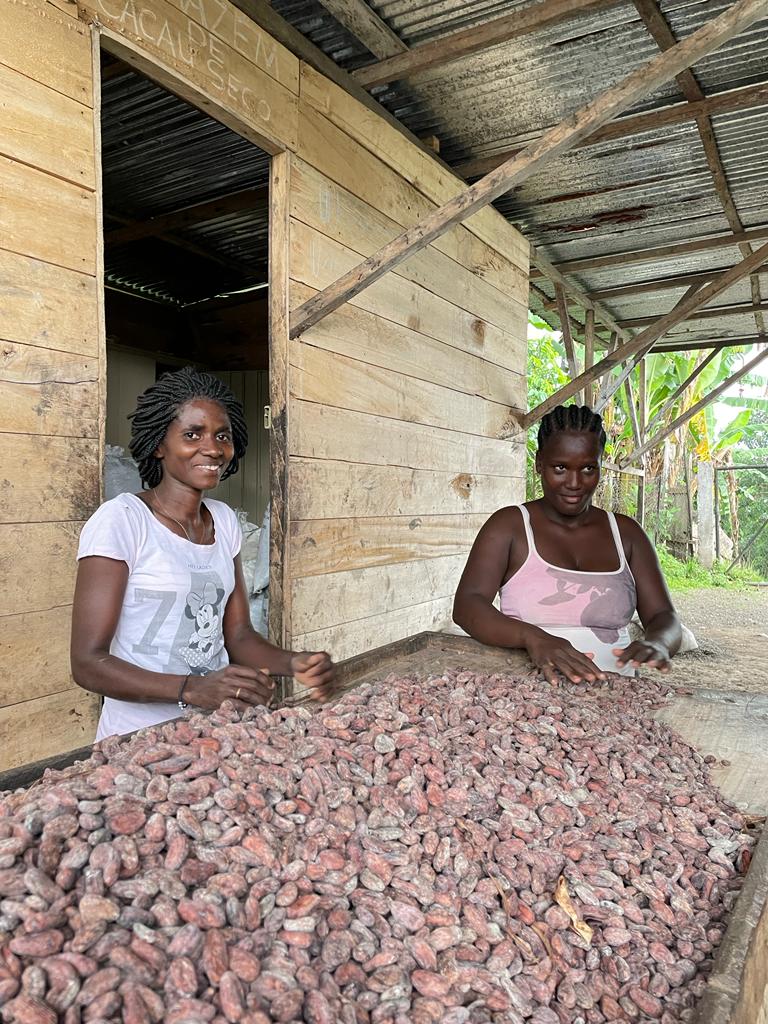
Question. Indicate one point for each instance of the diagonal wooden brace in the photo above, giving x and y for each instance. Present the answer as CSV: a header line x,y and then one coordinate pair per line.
x,y
645,340
694,409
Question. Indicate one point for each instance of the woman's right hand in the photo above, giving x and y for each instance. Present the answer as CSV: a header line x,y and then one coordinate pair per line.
x,y
557,657
245,686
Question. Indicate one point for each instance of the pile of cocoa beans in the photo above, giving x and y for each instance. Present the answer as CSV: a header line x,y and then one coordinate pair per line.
x,y
454,849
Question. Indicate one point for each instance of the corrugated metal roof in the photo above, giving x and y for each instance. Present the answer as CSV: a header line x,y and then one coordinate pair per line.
x,y
649,189
161,155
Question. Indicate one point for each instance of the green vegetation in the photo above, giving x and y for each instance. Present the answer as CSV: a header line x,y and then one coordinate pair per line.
x,y
690,575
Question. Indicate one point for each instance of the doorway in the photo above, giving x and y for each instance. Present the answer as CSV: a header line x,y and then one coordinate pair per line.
x,y
186,230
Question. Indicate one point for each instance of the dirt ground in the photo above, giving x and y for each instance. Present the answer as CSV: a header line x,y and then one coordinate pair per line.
x,y
731,628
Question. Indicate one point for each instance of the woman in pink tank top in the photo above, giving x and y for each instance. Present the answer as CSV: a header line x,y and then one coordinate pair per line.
x,y
569,576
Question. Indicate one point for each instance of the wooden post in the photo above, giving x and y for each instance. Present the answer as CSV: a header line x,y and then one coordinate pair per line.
x,y
589,352
705,507
695,409
279,234
556,141
646,339
565,327
633,411
642,415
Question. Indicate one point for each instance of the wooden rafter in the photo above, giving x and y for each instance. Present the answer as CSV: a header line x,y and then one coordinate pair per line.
x,y
364,24
661,284
556,141
713,313
695,409
184,243
657,25
470,40
254,199
661,252
624,127
717,343
565,327
670,402
646,339
589,352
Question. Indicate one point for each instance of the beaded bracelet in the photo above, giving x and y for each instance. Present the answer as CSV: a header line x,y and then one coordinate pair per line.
x,y
182,704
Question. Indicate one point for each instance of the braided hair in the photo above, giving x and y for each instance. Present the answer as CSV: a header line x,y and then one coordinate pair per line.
x,y
159,405
578,418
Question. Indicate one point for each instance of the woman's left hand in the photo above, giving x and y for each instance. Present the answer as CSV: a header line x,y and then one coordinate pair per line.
x,y
315,670
644,653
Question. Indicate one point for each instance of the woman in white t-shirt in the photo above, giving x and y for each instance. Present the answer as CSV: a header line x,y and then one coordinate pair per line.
x,y
161,617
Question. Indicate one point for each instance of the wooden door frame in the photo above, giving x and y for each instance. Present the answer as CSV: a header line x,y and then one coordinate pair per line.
x,y
278,269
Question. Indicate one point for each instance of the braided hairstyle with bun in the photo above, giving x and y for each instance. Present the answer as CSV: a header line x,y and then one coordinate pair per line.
x,y
579,418
159,405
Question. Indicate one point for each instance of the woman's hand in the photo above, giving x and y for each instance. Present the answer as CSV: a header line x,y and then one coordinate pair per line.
x,y
315,670
647,653
557,657
244,686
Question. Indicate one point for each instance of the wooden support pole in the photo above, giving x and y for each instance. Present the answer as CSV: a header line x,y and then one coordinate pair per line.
x,y
660,252
479,37
695,409
645,340
633,411
565,327
589,353
642,417
602,392
558,140
716,343
659,417
625,127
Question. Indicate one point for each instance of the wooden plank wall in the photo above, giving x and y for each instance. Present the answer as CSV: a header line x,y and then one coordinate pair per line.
x,y
397,401
387,417
50,396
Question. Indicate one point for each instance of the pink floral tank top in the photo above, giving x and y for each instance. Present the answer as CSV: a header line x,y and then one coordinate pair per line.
x,y
591,610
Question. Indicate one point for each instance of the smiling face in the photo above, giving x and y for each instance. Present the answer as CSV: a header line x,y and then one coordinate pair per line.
x,y
569,467
197,446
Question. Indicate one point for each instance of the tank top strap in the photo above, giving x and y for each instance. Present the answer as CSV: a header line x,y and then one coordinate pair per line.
x,y
617,539
528,531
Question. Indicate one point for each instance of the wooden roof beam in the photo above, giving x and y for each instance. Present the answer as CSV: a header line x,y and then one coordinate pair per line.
x,y
624,127
661,284
558,140
647,338
714,313
470,40
717,343
660,252
364,24
695,409
255,199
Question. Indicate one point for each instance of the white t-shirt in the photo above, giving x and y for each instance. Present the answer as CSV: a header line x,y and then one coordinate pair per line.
x,y
173,611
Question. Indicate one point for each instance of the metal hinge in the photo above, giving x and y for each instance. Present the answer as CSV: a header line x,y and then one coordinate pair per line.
x,y
267,417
